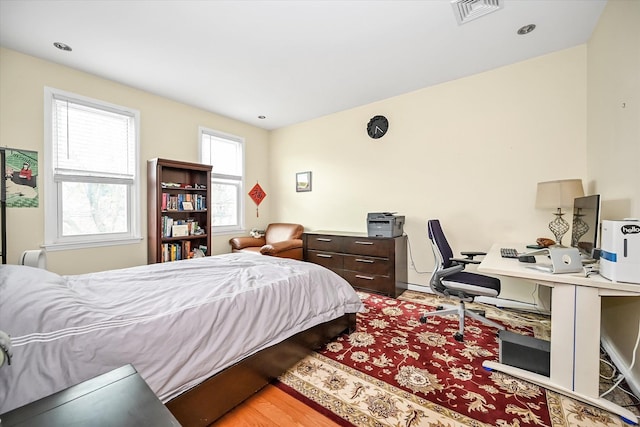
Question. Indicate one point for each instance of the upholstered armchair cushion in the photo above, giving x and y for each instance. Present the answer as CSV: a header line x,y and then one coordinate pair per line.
x,y
277,247
238,243
281,239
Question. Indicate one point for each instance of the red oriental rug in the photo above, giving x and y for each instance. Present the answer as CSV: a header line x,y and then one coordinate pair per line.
x,y
396,371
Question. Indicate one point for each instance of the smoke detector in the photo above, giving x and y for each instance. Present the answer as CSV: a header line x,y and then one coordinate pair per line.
x,y
468,10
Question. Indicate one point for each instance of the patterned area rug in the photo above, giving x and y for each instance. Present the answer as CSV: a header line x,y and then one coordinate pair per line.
x,y
396,371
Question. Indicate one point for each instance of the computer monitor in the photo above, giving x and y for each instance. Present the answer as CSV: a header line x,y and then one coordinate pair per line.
x,y
586,222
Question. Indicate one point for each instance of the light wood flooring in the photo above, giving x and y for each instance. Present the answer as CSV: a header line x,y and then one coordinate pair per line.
x,y
273,407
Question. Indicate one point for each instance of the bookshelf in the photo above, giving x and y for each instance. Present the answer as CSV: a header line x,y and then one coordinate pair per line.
x,y
178,210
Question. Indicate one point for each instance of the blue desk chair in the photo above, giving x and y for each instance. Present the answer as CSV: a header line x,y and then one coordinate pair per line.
x,y
448,280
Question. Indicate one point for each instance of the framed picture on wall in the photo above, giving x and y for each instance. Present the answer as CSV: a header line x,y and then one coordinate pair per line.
x,y
303,181
20,178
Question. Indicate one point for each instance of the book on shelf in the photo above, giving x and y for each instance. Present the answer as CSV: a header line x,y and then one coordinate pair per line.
x,y
167,226
186,249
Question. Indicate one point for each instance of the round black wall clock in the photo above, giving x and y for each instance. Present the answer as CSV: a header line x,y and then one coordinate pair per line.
x,y
377,127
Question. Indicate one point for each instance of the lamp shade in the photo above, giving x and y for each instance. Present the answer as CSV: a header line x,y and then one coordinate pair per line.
x,y
558,194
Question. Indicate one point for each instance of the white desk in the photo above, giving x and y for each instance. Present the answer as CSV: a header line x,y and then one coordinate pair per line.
x,y
575,318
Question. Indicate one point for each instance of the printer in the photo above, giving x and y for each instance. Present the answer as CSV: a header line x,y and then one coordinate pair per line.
x,y
384,224
620,251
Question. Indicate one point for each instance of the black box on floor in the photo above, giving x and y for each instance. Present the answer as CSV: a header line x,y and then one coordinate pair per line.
x,y
524,352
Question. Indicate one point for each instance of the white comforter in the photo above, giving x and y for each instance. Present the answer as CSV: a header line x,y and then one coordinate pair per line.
x,y
177,323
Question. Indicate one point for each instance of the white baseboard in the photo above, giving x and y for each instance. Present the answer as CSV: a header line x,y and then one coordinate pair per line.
x,y
517,305
498,302
419,288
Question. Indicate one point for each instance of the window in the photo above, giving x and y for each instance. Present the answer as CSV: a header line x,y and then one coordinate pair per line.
x,y
226,154
91,172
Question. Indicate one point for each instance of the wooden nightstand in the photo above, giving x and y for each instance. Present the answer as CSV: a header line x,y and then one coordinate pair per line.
x,y
118,398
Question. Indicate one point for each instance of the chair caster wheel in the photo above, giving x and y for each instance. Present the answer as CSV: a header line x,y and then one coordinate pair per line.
x,y
458,336
423,319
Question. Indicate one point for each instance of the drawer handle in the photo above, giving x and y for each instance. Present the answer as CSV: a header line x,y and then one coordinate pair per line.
x,y
322,239
357,242
368,261
324,256
363,277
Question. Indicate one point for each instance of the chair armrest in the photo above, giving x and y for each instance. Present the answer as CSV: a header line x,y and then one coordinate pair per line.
x,y
465,260
246,241
439,275
277,247
471,254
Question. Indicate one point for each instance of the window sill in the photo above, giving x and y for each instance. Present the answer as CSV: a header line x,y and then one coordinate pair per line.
x,y
228,231
95,244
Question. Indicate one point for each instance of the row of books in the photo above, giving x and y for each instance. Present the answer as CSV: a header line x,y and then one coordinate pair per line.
x,y
180,227
183,202
176,251
180,250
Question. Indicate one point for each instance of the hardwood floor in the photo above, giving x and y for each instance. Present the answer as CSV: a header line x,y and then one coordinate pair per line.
x,y
273,407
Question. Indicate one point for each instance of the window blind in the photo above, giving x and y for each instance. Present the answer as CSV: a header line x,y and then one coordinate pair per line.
x,y
91,142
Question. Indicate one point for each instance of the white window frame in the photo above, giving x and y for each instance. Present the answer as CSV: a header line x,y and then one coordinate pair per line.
x,y
54,240
226,229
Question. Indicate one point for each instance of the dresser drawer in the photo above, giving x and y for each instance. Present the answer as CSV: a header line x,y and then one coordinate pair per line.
x,y
380,284
322,242
365,246
326,259
368,265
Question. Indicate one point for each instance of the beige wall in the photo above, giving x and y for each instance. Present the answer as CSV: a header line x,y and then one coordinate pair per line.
x,y
168,129
613,150
468,152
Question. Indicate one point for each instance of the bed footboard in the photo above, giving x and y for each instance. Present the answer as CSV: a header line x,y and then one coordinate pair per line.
x,y
214,397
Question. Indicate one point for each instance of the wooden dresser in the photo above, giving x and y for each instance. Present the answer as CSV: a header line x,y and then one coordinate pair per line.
x,y
377,264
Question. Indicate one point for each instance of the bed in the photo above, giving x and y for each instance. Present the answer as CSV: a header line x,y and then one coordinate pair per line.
x,y
204,333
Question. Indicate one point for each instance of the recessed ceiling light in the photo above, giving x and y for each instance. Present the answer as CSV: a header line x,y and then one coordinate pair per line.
x,y
63,46
526,29
262,117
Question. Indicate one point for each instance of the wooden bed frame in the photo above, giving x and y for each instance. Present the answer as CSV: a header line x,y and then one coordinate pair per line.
x,y
214,397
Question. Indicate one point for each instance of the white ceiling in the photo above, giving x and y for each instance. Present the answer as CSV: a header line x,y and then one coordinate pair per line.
x,y
290,61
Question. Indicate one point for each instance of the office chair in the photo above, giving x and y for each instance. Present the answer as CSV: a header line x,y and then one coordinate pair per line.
x,y
448,280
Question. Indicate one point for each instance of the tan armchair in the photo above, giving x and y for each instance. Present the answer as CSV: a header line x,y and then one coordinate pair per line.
x,y
280,239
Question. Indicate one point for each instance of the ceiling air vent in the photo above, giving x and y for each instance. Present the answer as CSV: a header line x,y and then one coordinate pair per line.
x,y
468,10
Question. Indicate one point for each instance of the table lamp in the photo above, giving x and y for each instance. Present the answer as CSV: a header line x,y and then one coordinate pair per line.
x,y
557,195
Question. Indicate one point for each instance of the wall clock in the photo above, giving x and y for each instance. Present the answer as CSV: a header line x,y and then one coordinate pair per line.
x,y
377,127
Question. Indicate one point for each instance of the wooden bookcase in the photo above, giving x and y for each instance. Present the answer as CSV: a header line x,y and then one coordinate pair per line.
x,y
171,183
